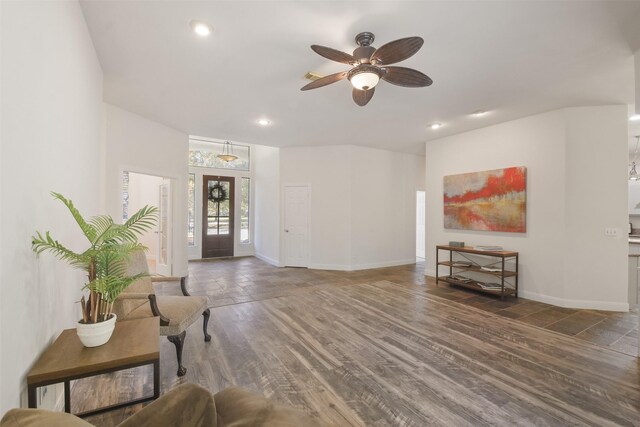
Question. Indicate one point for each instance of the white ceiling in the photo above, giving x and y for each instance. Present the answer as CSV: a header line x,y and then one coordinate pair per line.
x,y
513,58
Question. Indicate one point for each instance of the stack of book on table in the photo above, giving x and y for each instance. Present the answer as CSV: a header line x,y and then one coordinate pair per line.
x,y
461,264
490,286
459,278
493,286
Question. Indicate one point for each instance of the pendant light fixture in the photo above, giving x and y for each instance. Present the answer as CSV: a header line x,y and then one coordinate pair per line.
x,y
227,153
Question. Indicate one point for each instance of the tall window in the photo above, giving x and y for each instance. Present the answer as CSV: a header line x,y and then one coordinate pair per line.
x,y
244,211
125,196
204,154
191,210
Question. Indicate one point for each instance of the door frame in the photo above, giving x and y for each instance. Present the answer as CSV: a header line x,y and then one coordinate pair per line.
x,y
241,249
424,223
175,180
283,251
232,211
167,270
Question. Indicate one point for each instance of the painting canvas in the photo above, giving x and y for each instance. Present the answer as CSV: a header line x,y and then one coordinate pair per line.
x,y
493,200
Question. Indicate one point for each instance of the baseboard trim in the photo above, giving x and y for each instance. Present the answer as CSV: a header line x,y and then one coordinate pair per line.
x,y
357,267
268,260
574,303
334,267
562,302
243,254
384,264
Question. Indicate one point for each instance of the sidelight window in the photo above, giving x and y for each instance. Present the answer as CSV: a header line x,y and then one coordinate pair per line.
x,y
191,210
244,210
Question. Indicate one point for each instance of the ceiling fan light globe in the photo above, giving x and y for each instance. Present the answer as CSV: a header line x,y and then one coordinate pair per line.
x,y
365,80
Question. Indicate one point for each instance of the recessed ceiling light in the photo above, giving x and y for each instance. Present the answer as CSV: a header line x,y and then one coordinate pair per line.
x,y
436,126
264,122
635,117
478,113
201,28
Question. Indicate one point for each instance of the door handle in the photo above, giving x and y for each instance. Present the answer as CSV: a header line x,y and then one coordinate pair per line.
x,y
286,231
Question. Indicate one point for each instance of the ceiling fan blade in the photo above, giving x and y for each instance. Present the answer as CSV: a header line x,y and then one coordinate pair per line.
x,y
406,77
362,97
397,50
326,80
334,55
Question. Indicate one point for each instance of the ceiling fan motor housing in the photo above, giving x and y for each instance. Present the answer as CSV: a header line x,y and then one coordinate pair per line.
x,y
363,53
365,38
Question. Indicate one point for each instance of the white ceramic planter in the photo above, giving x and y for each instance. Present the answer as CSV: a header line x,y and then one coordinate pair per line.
x,y
96,334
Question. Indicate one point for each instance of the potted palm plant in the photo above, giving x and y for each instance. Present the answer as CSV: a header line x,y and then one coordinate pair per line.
x,y
104,261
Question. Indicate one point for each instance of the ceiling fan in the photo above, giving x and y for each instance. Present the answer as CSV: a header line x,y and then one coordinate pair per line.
x,y
371,64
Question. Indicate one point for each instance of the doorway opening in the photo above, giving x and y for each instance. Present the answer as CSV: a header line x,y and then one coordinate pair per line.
x,y
139,190
420,226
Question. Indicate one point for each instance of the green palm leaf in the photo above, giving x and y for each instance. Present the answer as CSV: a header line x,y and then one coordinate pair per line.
x,y
87,229
143,220
102,224
40,243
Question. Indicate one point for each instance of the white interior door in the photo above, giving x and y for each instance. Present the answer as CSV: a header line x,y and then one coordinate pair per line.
x,y
296,225
420,227
163,255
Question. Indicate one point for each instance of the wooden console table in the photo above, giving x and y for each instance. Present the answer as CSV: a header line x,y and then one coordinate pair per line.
x,y
133,343
501,288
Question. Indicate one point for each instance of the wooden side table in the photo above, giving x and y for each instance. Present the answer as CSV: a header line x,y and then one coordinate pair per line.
x,y
497,271
133,343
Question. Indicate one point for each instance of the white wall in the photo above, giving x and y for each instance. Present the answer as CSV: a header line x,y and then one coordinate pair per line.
x,y
51,122
362,204
383,207
327,170
143,191
566,191
136,144
597,143
265,165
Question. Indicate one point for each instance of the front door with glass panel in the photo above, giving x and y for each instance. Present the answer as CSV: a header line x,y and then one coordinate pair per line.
x,y
217,216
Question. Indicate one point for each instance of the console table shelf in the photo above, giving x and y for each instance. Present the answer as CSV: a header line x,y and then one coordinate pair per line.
x,y
494,259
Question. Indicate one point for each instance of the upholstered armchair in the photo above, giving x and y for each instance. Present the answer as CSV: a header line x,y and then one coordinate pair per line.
x,y
176,313
187,405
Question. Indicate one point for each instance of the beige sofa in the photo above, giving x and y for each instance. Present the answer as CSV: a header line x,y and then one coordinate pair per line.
x,y
188,405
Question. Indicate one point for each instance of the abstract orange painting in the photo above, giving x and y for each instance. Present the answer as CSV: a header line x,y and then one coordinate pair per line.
x,y
493,200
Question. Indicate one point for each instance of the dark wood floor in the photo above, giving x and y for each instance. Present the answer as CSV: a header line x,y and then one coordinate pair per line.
x,y
385,347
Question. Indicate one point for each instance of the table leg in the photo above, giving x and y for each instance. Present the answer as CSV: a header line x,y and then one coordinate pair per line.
x,y
67,396
502,280
516,276
31,396
156,379
437,260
